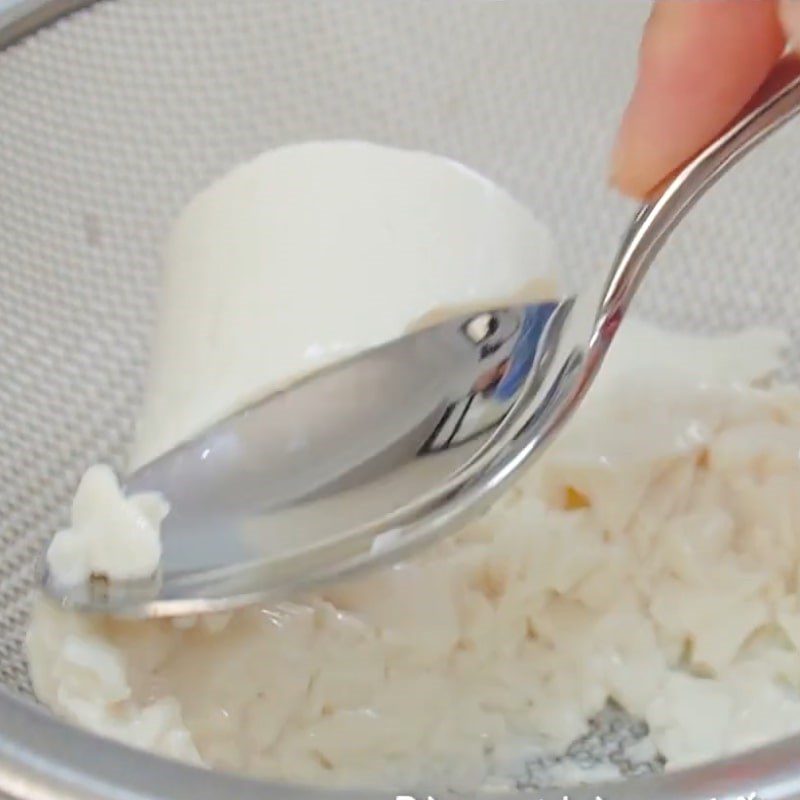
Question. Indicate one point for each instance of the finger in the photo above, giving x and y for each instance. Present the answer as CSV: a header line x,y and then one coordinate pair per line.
x,y
699,64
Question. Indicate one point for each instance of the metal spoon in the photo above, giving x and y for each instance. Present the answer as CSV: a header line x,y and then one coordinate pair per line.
x,y
361,463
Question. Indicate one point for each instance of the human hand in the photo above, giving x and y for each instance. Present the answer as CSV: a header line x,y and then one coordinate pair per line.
x,y
699,64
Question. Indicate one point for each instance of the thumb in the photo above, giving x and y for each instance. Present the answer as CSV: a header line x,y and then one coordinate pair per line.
x,y
700,62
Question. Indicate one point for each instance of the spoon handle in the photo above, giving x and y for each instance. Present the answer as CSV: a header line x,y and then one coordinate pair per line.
x,y
775,104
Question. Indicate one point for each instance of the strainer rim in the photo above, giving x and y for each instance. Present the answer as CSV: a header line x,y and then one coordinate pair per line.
x,y
44,758
21,18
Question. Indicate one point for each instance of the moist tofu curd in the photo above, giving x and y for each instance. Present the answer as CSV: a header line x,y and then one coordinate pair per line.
x,y
650,559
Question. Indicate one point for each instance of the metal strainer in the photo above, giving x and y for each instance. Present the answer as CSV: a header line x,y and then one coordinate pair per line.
x,y
116,113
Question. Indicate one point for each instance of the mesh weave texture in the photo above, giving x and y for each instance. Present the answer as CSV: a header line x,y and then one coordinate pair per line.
x,y
115,116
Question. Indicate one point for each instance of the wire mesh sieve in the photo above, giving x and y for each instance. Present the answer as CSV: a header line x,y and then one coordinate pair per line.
x,y
114,116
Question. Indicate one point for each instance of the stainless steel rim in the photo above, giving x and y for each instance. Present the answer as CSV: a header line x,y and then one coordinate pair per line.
x,y
18,18
42,758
